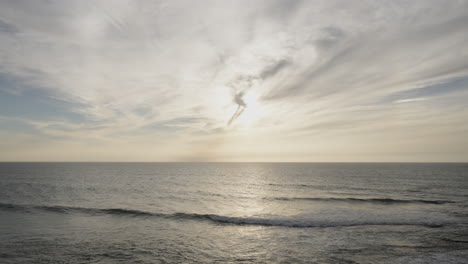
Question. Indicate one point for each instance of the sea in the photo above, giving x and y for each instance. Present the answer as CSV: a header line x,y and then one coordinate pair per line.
x,y
233,213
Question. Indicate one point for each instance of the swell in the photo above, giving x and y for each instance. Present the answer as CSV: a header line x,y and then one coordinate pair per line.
x,y
361,200
71,209
217,219
294,223
387,201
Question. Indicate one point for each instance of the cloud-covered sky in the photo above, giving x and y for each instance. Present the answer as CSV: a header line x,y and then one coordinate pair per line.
x,y
261,80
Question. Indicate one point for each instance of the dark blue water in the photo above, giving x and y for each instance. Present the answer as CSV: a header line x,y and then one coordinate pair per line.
x,y
233,213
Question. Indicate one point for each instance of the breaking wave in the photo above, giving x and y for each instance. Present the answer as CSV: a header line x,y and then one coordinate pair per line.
x,y
218,219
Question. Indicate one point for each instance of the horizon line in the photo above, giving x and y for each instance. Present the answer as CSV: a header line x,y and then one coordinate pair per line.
x,y
409,162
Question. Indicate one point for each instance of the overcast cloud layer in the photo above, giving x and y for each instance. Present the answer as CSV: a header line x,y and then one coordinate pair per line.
x,y
234,80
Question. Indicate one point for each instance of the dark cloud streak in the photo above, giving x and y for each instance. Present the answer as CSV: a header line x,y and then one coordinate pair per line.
x,y
241,105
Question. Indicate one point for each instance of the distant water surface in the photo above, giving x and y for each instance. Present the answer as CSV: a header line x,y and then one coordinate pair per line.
x,y
233,213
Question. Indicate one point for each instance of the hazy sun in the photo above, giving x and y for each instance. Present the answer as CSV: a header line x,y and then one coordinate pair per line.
x,y
253,110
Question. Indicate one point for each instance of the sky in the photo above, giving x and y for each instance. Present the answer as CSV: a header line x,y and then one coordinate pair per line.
x,y
244,80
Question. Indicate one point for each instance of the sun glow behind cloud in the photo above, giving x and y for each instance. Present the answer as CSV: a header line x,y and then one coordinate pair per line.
x,y
157,80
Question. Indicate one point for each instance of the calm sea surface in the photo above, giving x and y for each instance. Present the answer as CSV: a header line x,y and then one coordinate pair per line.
x,y
233,213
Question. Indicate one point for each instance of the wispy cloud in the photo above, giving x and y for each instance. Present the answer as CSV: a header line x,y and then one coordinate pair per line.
x,y
310,78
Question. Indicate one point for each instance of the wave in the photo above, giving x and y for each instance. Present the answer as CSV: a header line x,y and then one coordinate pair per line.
x,y
314,186
363,200
217,219
71,209
293,185
294,223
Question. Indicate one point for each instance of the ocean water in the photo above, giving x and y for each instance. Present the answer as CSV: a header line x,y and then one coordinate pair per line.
x,y
233,213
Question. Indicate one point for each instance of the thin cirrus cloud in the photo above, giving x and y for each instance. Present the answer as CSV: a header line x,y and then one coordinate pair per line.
x,y
234,80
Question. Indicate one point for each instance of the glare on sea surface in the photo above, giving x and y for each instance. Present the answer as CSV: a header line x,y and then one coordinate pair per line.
x,y
251,186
